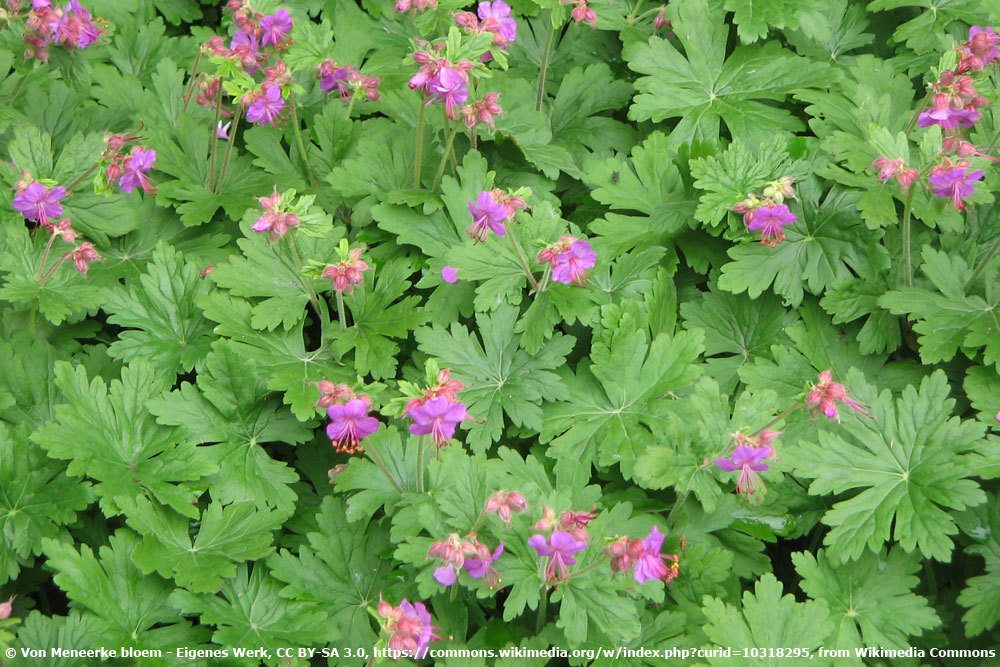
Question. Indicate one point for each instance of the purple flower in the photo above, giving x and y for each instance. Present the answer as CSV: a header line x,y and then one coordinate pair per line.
x,y
275,27
36,202
438,418
559,549
449,85
350,424
955,182
449,274
768,220
496,19
222,131
409,627
480,568
75,26
487,215
943,112
649,563
335,78
265,108
749,460
570,267
134,170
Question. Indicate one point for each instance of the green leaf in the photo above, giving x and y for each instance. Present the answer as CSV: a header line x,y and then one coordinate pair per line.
x,y
755,18
337,572
981,595
125,607
108,434
615,396
75,631
165,325
231,405
379,317
36,500
704,88
767,619
226,535
910,462
827,245
500,379
873,598
947,317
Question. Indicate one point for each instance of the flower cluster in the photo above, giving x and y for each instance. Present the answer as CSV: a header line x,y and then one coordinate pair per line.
x,y
569,258
37,202
349,419
408,627
469,554
129,170
491,211
897,169
442,80
825,394
505,504
70,26
438,412
482,111
582,12
347,273
644,557
567,537
493,17
767,212
981,50
274,219
347,81
748,457
40,203
414,6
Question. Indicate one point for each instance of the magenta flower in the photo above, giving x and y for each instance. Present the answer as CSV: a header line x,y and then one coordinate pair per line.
x,y
222,131
487,215
348,273
482,568
505,504
265,107
273,220
134,170
571,267
956,182
36,202
981,49
451,86
945,113
346,80
437,417
74,26
649,563
275,27
559,549
350,424
768,220
749,461
409,627
449,274
83,255
495,17
826,393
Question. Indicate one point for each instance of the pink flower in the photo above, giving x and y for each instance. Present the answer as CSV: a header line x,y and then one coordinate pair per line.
x,y
266,106
74,26
275,27
887,168
451,86
980,50
417,6
65,231
956,182
222,131
495,17
559,549
345,275
482,567
83,255
649,561
36,202
826,393
505,504
570,258
332,393
942,112
346,81
134,170
350,424
437,417
409,627
661,21
768,220
484,111
748,459
449,274
582,13
274,221
6,609
487,215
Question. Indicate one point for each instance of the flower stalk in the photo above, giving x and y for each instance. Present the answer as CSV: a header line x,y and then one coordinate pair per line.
x,y
298,141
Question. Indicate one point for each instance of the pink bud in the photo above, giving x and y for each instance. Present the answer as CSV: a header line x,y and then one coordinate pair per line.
x,y
6,608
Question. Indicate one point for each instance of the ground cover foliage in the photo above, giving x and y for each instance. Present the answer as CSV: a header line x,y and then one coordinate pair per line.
x,y
429,325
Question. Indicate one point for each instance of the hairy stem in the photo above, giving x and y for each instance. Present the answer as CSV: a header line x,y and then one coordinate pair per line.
x,y
341,314
543,610
215,140
635,8
45,257
418,150
229,149
377,458
444,157
318,304
907,255
190,86
522,258
543,67
81,178
301,145
420,464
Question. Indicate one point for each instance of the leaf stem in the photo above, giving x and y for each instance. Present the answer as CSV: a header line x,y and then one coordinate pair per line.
x,y
543,66
522,258
543,610
907,256
444,157
451,151
214,133
341,315
229,149
298,140
321,311
377,458
190,86
418,150
635,8
420,464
